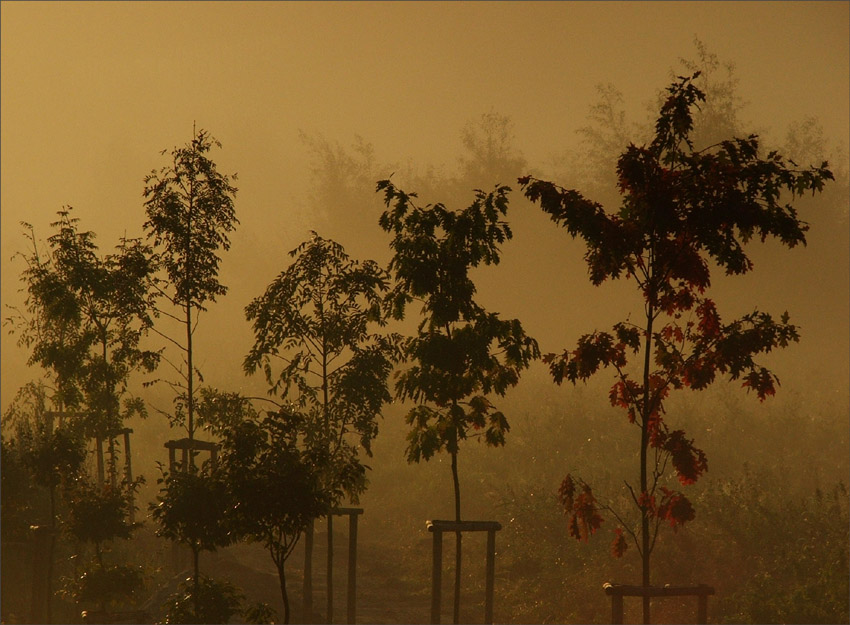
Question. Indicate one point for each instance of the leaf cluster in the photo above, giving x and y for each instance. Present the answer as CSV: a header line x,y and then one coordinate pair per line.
x,y
85,318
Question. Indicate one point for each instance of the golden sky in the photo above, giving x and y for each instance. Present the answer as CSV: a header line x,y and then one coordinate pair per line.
x,y
92,92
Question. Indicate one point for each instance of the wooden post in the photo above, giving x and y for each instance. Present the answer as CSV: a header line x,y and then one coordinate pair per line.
x,y
113,468
618,591
702,609
330,570
308,575
352,569
491,576
617,609
171,459
437,528
436,576
40,598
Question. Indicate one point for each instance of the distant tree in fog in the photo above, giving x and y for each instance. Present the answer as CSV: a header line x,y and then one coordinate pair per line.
x,y
460,353
190,213
682,208
608,127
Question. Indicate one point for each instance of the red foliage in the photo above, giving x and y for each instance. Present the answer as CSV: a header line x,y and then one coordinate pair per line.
x,y
682,211
584,518
619,545
675,508
688,461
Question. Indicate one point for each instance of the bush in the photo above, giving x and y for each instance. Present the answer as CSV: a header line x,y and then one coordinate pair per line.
x,y
217,601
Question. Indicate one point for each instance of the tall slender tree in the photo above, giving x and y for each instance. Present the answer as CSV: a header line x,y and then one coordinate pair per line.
x,y
461,353
190,212
682,210
316,342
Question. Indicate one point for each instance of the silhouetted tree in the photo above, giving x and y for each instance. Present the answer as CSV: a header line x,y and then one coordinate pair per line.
x,y
85,317
682,208
97,514
461,353
190,213
315,340
275,480
194,507
48,457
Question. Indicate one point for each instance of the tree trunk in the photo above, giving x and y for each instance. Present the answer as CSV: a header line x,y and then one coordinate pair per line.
x,y
196,579
644,444
50,551
281,575
456,612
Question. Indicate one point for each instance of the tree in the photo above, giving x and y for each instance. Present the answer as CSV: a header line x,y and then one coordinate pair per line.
x,y
682,208
50,457
190,212
97,514
85,318
461,353
193,507
274,479
315,341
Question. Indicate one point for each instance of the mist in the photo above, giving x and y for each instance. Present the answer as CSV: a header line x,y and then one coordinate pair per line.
x,y
314,103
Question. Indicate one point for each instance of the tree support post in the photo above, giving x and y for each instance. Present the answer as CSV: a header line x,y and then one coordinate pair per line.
x,y
618,591
437,528
351,590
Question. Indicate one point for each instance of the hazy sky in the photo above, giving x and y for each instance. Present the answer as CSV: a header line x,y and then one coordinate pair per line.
x,y
92,92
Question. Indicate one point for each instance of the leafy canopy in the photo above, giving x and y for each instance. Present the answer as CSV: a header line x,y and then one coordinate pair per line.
x,y
190,212
86,315
315,341
461,352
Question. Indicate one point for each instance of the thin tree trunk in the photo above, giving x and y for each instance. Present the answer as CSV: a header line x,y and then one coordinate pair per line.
x,y
330,570
190,386
50,551
196,600
281,575
458,538
190,399
644,444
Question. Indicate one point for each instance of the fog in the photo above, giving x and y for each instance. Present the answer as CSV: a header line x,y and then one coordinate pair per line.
x,y
315,102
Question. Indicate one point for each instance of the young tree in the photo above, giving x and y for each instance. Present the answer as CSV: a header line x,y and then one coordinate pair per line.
x,y
97,514
316,344
275,480
316,322
86,316
190,213
682,209
461,353
50,457
193,507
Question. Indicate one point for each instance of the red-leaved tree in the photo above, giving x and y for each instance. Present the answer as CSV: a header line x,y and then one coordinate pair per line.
x,y
683,211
